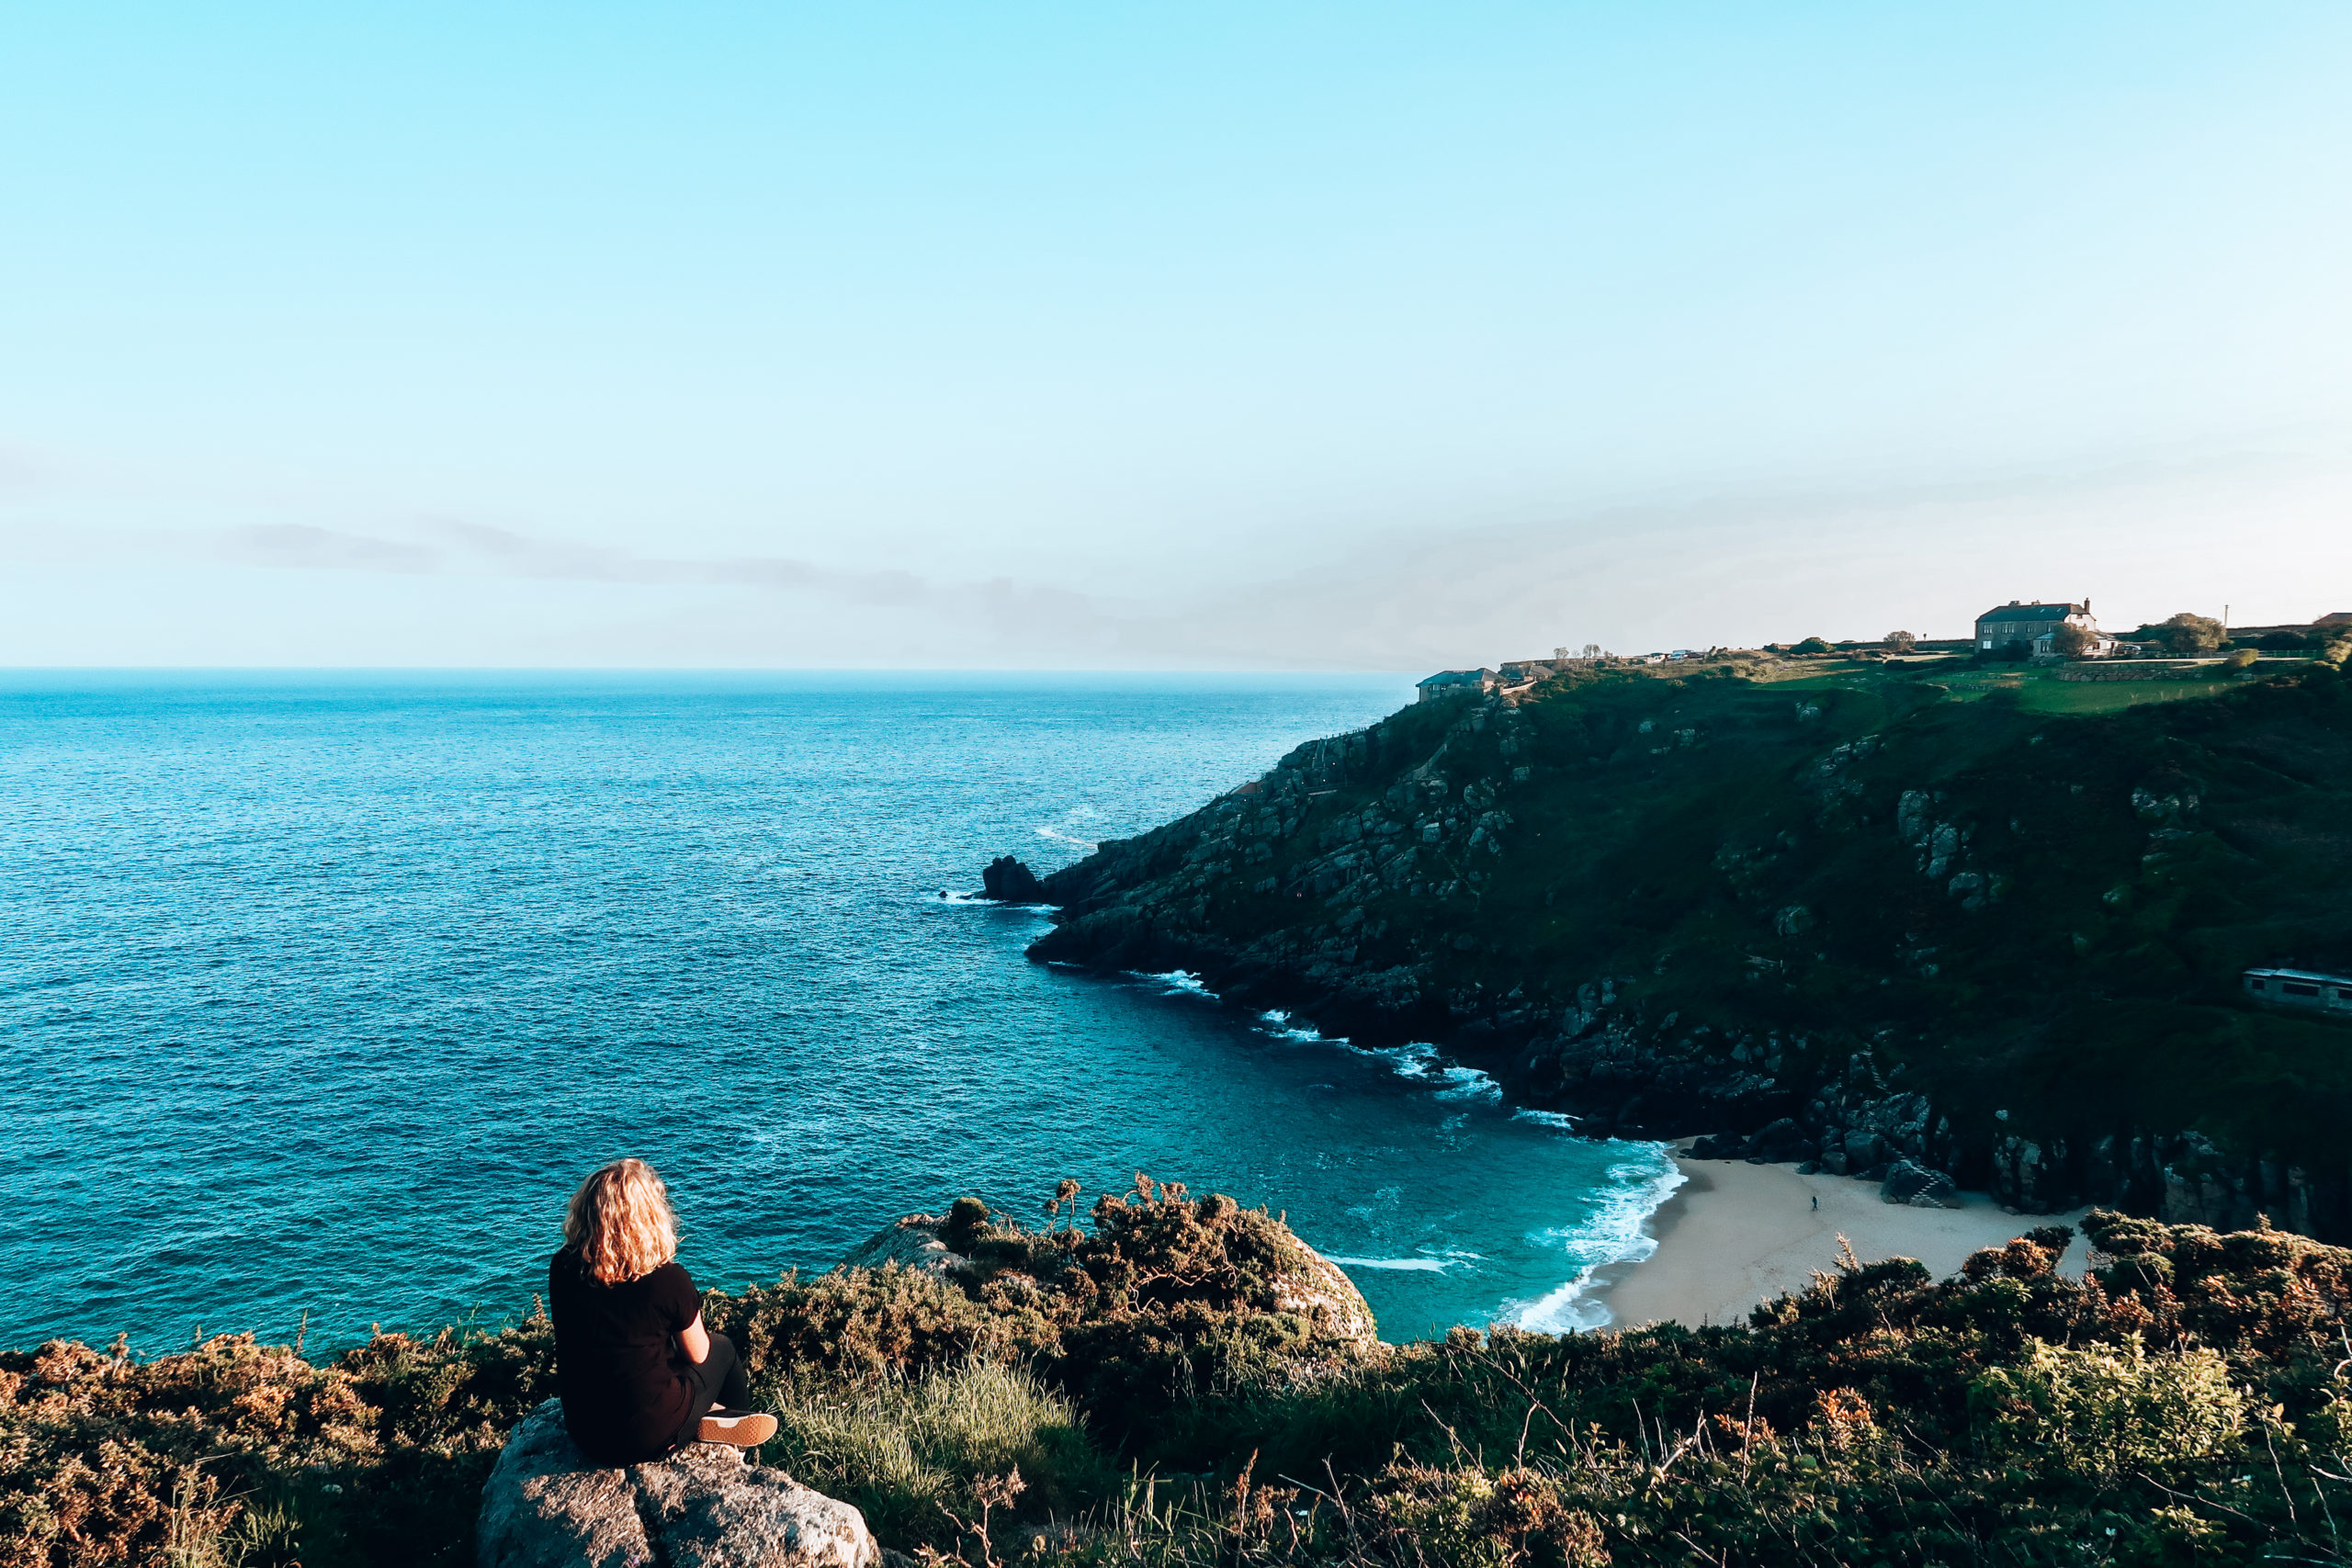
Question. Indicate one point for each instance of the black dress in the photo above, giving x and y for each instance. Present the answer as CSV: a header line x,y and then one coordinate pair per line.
x,y
628,1389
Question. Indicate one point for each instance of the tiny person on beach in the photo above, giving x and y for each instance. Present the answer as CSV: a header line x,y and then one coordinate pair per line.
x,y
638,1374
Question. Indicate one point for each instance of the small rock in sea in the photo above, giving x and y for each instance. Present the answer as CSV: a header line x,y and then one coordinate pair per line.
x,y
1007,881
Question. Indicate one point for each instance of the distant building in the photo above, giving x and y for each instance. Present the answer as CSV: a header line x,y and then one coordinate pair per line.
x,y
2301,988
2035,625
1454,683
2338,618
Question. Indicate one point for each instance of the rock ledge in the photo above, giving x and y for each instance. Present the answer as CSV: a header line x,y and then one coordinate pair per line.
x,y
547,1504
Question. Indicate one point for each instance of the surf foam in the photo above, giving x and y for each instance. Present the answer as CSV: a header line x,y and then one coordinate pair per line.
x,y
1618,1232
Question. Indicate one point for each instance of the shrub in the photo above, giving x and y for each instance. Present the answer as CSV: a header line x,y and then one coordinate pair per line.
x,y
2100,1413
2241,659
1812,645
2073,641
2187,633
2002,1415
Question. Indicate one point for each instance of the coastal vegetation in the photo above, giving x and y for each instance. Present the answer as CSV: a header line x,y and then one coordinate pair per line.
x,y
1174,1383
1991,921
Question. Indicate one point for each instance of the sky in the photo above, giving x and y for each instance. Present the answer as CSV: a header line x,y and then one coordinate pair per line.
x,y
1251,336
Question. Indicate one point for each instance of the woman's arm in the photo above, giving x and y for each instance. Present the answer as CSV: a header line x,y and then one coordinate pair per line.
x,y
696,1341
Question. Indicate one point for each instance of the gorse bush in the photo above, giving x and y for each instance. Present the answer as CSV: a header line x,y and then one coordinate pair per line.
x,y
1180,1386
2102,1413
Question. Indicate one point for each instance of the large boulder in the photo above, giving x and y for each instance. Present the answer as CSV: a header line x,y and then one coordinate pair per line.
x,y
913,1242
549,1506
1320,1291
1918,1187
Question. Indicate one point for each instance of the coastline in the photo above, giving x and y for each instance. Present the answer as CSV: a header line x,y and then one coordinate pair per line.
x,y
1732,1234
1726,1237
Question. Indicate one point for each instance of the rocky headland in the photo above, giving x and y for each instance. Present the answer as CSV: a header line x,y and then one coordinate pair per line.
x,y
1855,919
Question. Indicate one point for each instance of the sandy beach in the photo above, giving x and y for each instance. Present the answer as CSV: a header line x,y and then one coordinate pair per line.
x,y
1734,1234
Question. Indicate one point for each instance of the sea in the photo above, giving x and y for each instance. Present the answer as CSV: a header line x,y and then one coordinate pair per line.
x,y
320,993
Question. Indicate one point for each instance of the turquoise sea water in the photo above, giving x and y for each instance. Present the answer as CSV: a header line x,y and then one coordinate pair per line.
x,y
318,994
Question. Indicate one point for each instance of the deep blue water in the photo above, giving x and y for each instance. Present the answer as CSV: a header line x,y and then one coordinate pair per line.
x,y
318,994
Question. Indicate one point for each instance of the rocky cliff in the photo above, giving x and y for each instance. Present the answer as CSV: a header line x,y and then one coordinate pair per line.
x,y
1853,920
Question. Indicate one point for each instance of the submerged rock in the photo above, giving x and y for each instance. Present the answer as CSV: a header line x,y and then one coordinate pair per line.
x,y
549,1505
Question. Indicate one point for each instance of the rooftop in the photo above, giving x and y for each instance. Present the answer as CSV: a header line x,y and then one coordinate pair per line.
x,y
2013,611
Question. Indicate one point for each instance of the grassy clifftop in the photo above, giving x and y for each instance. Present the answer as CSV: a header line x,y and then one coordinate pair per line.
x,y
1756,892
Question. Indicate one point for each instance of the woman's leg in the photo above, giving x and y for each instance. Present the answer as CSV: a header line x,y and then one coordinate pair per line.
x,y
710,1382
734,1389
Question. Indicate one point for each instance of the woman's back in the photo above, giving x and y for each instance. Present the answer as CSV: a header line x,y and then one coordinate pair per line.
x,y
638,1373
617,1365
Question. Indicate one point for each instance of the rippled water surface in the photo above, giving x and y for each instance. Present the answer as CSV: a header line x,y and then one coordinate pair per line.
x,y
317,994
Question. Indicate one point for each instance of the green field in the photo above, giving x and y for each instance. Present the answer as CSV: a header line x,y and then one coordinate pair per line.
x,y
2050,695
2038,690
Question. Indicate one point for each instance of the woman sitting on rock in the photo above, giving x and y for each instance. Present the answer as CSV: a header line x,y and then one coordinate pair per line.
x,y
638,1373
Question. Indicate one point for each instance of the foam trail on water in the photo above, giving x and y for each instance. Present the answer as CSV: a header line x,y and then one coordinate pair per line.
x,y
1089,845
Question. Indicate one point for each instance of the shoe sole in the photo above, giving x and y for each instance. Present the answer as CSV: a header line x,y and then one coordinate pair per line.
x,y
741,1431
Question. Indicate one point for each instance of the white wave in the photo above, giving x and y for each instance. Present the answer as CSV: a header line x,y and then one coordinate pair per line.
x,y
1279,1025
1180,982
1560,1119
1089,845
1419,1062
1618,1232
1468,1083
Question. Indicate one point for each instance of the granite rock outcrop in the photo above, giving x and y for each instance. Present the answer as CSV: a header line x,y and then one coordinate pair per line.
x,y
549,1506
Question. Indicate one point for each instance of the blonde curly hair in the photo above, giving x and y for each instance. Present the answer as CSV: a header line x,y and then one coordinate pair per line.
x,y
621,1224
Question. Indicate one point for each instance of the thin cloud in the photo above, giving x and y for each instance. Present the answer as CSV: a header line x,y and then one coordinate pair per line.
x,y
297,546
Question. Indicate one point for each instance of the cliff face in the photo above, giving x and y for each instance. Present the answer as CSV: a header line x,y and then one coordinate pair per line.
x,y
1851,920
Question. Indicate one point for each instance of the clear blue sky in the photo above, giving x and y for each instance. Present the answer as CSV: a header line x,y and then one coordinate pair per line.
x,y
1123,335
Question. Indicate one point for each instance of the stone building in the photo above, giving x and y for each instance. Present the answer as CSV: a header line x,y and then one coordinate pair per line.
x,y
2036,626
1454,683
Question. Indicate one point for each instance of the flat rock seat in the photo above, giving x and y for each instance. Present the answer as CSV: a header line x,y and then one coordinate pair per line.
x,y
549,1505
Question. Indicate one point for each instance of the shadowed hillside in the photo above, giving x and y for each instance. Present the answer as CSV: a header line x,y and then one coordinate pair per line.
x,y
1869,914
